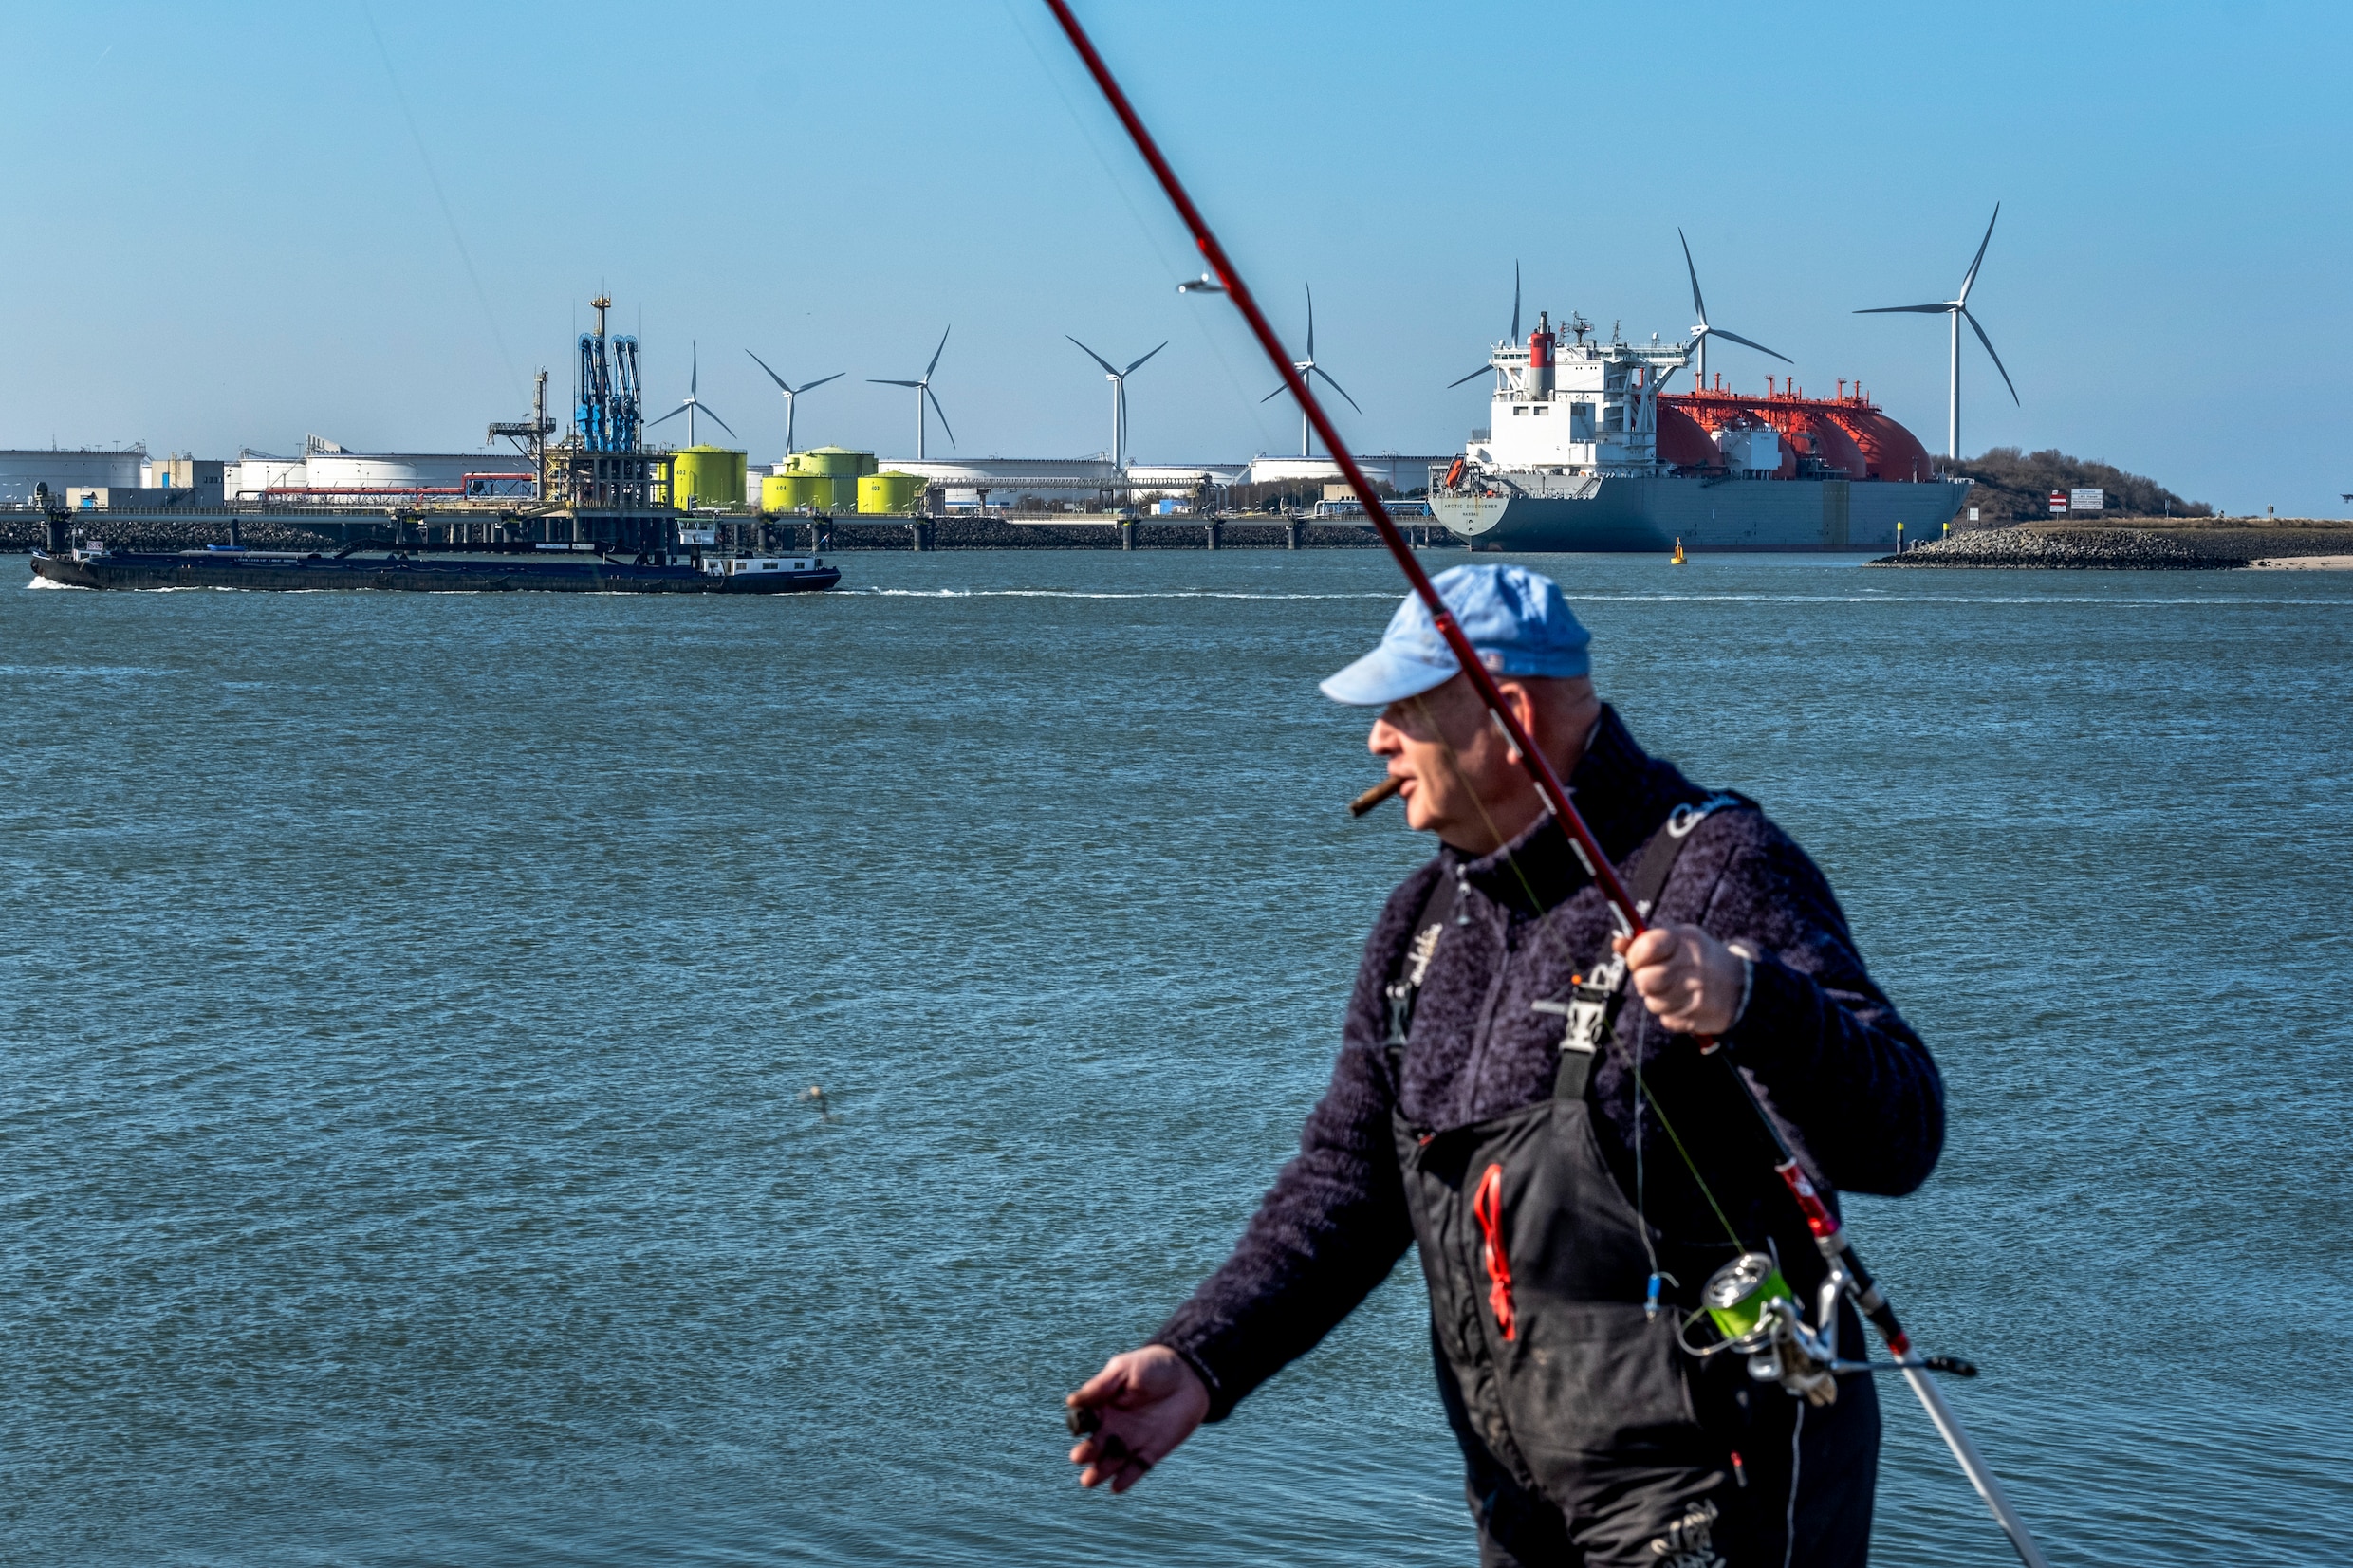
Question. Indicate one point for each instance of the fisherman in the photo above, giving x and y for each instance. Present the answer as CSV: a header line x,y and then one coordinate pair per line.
x,y
1570,1203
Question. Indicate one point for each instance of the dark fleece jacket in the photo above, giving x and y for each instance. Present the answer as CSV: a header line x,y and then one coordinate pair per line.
x,y
1855,1092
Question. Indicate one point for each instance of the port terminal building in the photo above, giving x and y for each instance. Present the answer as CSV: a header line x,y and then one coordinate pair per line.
x,y
975,481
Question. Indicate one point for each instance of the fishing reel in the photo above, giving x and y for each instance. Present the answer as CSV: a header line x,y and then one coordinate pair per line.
x,y
1756,1312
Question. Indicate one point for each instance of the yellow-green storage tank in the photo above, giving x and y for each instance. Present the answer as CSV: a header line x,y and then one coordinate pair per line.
x,y
892,492
833,474
789,492
705,476
830,461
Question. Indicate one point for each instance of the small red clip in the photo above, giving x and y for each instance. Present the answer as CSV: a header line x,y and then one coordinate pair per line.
x,y
1487,1205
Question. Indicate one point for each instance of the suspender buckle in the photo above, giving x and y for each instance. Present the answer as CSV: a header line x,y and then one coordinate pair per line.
x,y
1400,1013
1591,1008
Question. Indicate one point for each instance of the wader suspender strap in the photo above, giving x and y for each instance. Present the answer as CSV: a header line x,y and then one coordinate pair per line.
x,y
1405,988
1591,1010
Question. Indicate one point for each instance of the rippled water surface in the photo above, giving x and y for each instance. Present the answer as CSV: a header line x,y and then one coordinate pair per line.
x,y
408,1004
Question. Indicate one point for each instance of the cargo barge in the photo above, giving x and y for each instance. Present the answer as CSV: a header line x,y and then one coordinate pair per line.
x,y
1587,450
563,569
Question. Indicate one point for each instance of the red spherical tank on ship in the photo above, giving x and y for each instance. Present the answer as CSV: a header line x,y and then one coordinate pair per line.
x,y
1834,447
1889,451
1683,441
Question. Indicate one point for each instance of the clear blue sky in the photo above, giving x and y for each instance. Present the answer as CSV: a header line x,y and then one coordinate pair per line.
x,y
222,233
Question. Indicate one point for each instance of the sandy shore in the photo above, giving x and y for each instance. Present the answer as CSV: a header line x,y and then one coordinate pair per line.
x,y
2306,564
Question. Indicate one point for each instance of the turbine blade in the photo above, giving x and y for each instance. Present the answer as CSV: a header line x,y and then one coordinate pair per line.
x,y
716,421
1276,393
1899,309
1310,288
1515,300
1131,369
672,414
1989,353
1481,371
1318,370
941,411
772,375
1979,258
822,380
935,364
1736,337
878,380
695,370
1092,355
1698,303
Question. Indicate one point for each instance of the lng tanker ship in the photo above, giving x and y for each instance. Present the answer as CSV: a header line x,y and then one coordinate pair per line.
x,y
1588,451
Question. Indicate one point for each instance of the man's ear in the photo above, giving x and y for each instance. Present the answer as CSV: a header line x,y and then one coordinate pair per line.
x,y
1516,698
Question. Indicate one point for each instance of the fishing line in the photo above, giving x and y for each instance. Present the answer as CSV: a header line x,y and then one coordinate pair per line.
x,y
1453,766
448,217
1704,1191
1642,1192
1248,401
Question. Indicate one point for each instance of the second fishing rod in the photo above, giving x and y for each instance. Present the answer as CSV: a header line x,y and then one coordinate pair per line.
x,y
1848,1271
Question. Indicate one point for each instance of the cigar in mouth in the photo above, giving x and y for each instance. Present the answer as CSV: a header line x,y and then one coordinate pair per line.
x,y
1374,796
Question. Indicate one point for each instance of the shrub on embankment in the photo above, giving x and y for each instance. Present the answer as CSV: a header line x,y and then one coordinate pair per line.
x,y
2014,484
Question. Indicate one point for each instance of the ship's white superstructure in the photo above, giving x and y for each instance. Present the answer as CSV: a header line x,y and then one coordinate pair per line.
x,y
1576,407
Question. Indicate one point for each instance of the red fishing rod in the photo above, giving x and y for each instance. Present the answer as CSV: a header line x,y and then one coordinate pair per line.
x,y
1829,1236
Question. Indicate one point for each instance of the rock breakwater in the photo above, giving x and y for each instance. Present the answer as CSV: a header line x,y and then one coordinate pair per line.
x,y
2083,549
154,533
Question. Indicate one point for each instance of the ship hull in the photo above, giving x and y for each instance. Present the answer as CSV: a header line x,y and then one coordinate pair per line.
x,y
1590,514
478,575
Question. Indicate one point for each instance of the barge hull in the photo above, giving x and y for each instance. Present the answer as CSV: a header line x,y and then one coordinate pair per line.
x,y
297,574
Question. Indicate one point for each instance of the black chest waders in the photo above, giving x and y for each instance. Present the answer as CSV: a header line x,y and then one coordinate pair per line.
x,y
1590,1436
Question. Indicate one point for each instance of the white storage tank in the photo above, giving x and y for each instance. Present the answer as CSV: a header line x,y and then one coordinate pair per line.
x,y
330,474
67,468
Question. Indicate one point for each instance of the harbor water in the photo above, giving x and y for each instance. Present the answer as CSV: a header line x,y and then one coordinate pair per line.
x,y
410,1004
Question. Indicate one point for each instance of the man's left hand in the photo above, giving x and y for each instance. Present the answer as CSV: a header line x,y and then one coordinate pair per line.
x,y
1688,979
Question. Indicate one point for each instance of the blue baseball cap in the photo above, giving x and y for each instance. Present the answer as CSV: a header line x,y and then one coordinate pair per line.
x,y
1520,623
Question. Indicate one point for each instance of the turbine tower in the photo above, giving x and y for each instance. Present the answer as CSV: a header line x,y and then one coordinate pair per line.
x,y
693,403
1513,339
792,394
1119,400
1954,309
1307,368
1702,333
922,391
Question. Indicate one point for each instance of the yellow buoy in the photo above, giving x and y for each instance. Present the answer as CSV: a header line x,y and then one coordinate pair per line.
x,y
1677,558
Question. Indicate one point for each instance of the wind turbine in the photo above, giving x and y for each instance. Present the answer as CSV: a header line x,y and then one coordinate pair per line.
x,y
922,391
694,377
1307,368
1119,400
1702,333
1956,308
791,392
1515,329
